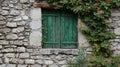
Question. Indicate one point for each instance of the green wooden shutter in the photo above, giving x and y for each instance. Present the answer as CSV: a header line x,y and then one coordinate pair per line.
x,y
69,31
51,31
59,30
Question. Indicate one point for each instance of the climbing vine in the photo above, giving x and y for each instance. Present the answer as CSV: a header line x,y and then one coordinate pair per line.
x,y
95,14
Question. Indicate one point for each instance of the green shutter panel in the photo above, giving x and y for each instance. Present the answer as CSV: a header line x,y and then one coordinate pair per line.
x,y
51,31
69,31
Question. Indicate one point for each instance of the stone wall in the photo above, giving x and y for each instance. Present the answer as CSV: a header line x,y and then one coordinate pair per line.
x,y
21,36
115,19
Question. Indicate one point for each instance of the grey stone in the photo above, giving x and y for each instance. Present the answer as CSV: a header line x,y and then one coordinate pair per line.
x,y
20,65
0,46
6,60
48,62
18,6
21,37
5,8
4,42
6,30
89,49
12,24
20,49
10,65
17,19
12,36
1,55
19,29
25,17
21,61
24,55
35,24
0,34
2,22
39,62
4,3
24,1
2,65
1,61
36,38
11,5
13,1
5,12
115,14
8,50
2,17
36,65
35,14
53,65
32,1
14,12
14,61
64,66
62,62
29,61
9,55
117,31
18,42
21,23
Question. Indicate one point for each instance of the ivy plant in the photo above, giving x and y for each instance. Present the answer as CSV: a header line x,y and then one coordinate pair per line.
x,y
95,14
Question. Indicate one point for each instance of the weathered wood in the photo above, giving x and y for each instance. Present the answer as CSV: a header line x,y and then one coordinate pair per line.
x,y
45,5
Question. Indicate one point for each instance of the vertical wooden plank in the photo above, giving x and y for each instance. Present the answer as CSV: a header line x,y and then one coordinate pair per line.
x,y
69,31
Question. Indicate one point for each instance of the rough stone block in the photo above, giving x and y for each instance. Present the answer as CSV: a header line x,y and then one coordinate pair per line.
x,y
64,66
21,23
5,12
25,17
6,60
1,61
6,30
12,24
62,62
17,42
39,61
18,30
48,62
21,61
9,55
35,25
4,42
0,46
24,55
36,38
29,61
14,61
14,12
11,36
53,65
2,65
24,1
10,65
2,22
2,17
20,65
117,31
32,1
20,49
8,50
35,14
17,19
36,65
